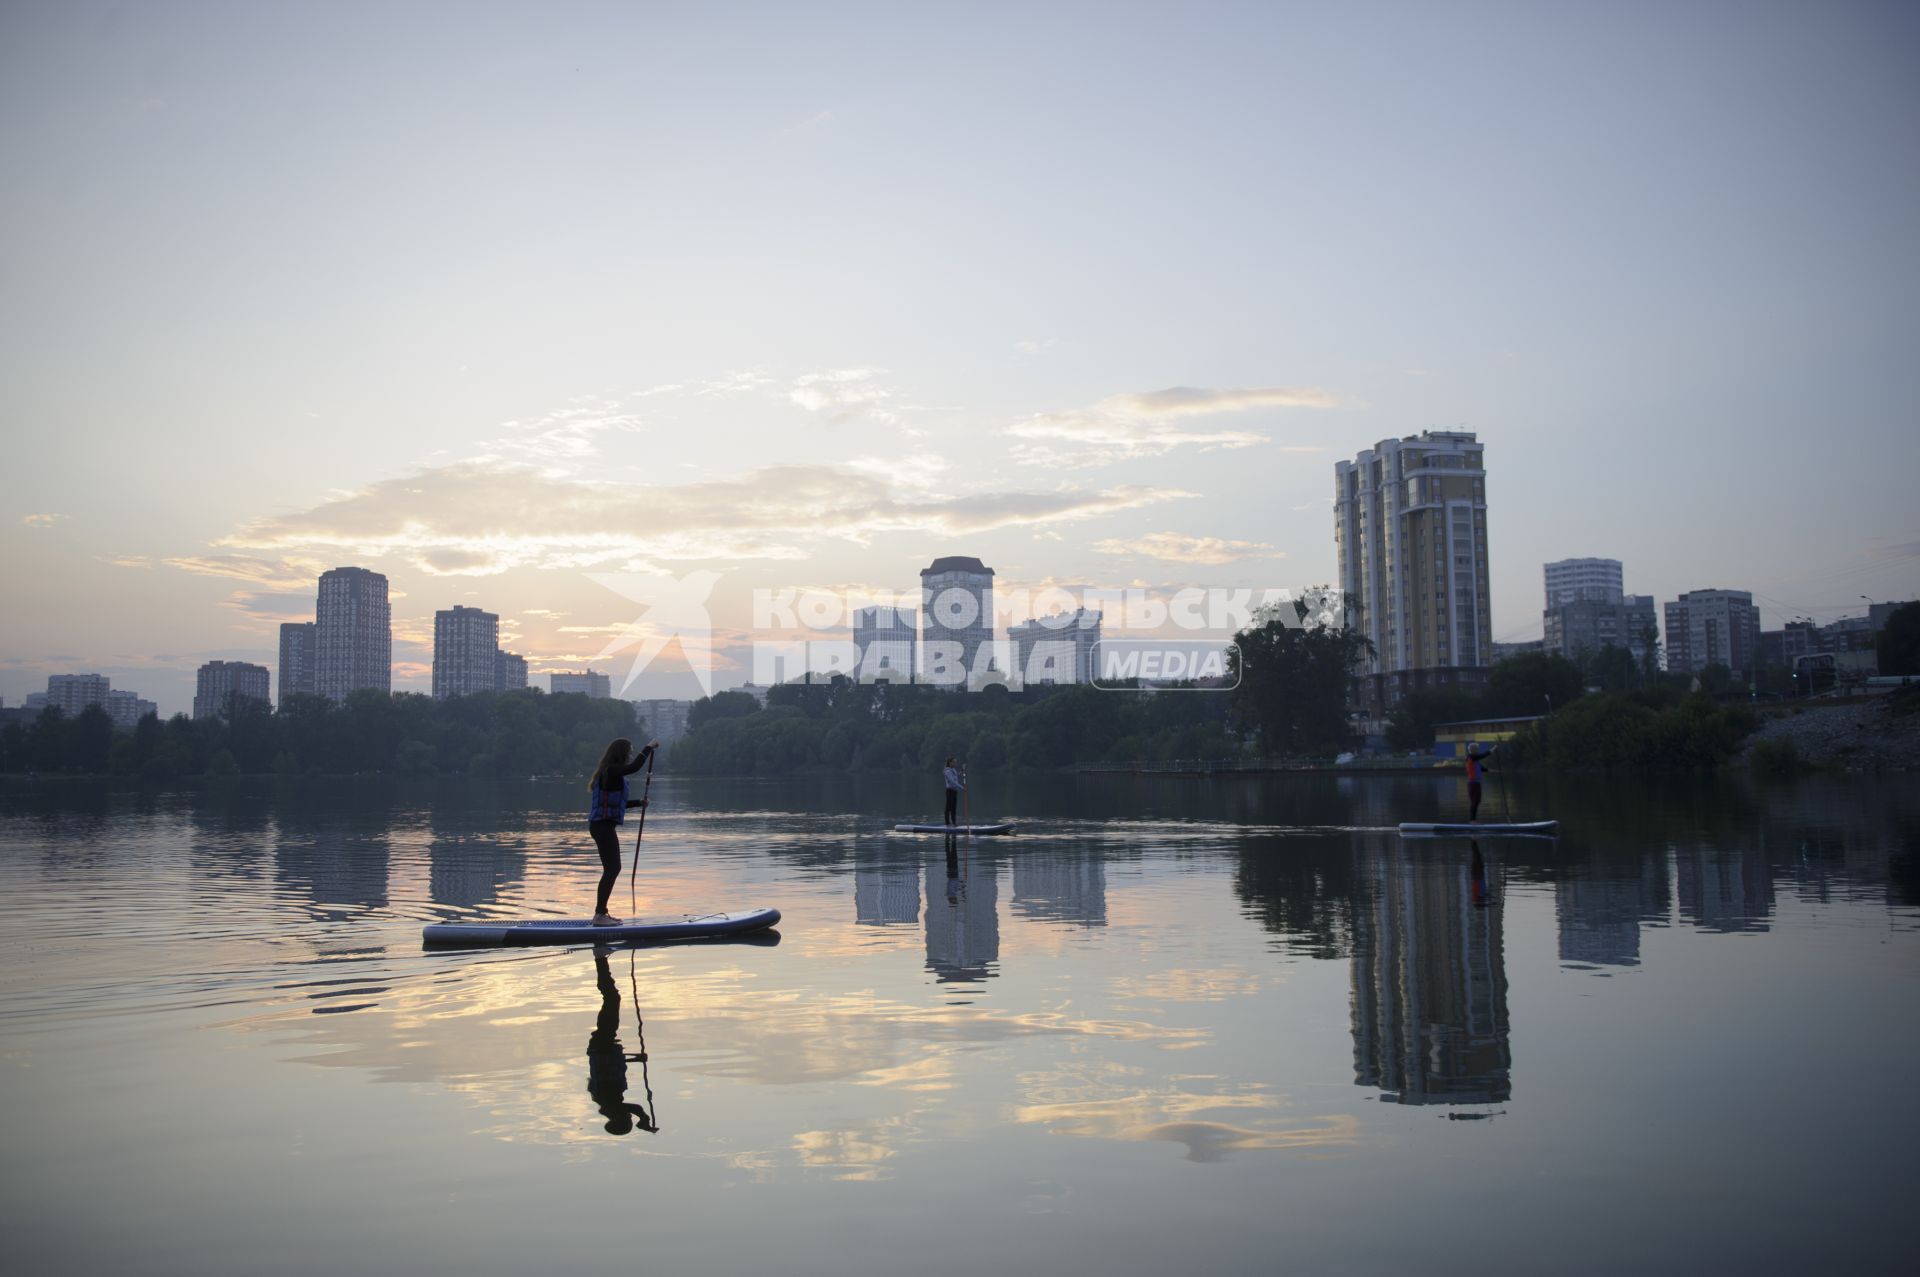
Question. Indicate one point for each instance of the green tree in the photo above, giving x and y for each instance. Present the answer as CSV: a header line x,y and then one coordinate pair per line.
x,y
1531,683
1291,694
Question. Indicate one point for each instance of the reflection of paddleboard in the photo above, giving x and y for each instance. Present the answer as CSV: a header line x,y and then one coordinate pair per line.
x,y
953,829
679,926
1530,827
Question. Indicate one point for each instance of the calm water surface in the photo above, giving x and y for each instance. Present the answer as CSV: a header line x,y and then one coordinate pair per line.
x,y
1236,1024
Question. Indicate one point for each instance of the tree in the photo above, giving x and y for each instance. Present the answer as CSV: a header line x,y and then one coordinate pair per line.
x,y
1899,642
721,705
1531,683
1292,690
1613,669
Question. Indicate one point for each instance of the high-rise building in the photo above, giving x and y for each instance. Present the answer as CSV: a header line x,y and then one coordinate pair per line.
x,y
126,709
1583,581
1588,625
72,693
353,633
884,638
664,719
466,650
586,683
299,660
1057,648
218,681
509,672
956,598
1713,627
1410,526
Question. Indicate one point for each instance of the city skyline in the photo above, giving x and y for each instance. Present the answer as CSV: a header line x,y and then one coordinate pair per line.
x,y
841,324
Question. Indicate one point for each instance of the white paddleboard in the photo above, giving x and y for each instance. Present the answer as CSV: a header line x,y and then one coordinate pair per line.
x,y
680,926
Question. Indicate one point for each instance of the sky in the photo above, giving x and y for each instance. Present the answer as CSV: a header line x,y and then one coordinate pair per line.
x,y
502,300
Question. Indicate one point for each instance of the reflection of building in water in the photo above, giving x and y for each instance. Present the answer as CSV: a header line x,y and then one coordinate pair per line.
x,y
471,872
1725,890
1429,985
886,894
963,925
1062,887
333,867
1600,915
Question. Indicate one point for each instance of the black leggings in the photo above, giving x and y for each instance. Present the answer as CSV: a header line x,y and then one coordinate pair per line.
x,y
606,836
953,799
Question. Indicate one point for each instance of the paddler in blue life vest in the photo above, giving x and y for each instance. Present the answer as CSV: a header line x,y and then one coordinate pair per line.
x,y
1474,759
956,778
607,804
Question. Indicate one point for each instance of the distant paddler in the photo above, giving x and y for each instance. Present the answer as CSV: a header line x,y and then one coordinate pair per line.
x,y
1474,772
607,804
956,780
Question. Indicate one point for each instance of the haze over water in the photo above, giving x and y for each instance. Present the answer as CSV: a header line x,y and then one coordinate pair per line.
x,y
1239,1020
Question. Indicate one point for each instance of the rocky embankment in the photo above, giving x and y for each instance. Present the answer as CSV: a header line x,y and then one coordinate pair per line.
x,y
1865,735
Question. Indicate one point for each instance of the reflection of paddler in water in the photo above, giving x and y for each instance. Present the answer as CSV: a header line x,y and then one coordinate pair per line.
x,y
1478,882
956,885
607,1062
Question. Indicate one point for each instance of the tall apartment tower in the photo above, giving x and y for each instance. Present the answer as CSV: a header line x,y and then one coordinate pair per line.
x,y
509,671
218,682
353,632
1713,627
72,693
299,660
1410,525
1584,581
1056,649
884,638
466,651
956,599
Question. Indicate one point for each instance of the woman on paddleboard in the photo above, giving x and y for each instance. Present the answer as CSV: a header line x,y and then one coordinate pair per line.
x,y
1474,772
607,804
956,778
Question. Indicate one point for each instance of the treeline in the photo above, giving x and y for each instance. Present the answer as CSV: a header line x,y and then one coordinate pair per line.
x,y
517,733
1290,700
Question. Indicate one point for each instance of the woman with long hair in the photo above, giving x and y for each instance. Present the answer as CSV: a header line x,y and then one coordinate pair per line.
x,y
607,804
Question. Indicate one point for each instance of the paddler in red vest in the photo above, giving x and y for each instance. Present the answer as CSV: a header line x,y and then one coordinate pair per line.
x,y
1474,759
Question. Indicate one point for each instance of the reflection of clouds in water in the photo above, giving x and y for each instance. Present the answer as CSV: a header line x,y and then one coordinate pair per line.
x,y
1187,984
1107,1101
856,1152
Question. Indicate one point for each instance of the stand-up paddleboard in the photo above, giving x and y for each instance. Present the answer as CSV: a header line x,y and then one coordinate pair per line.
x,y
953,829
1538,828
675,926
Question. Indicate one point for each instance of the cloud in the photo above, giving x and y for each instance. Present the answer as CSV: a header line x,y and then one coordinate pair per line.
x,y
563,437
845,394
1149,424
266,612
41,520
140,561
1176,547
477,518
270,574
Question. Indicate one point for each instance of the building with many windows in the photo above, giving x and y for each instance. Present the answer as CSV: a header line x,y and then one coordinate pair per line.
x,y
956,600
664,719
1057,648
509,671
1410,527
218,682
299,660
885,639
126,709
72,693
466,650
1587,625
586,683
1713,627
1584,581
353,633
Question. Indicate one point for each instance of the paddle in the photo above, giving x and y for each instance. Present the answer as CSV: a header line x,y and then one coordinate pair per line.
x,y
1503,792
633,883
966,801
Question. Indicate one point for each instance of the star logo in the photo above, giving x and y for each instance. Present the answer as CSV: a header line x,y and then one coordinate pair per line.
x,y
675,610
